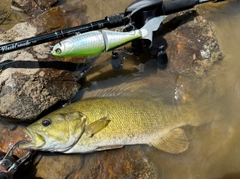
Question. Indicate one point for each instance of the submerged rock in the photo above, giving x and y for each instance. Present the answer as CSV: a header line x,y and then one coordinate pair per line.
x,y
191,44
11,134
128,162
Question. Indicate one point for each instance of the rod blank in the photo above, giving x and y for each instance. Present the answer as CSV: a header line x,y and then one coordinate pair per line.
x,y
108,22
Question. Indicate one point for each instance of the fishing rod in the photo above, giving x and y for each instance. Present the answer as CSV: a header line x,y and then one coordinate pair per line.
x,y
137,13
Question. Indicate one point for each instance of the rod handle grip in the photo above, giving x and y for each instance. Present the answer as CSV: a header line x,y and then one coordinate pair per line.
x,y
178,5
115,20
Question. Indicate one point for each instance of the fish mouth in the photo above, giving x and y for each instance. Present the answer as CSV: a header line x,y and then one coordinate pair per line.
x,y
36,141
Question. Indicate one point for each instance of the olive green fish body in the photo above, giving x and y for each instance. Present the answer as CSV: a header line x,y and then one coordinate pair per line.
x,y
132,121
108,122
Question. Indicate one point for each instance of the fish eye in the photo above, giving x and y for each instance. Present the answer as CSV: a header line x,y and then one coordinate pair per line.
x,y
58,51
46,122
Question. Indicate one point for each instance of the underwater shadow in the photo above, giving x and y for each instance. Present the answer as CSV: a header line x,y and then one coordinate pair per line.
x,y
59,65
176,22
235,175
170,25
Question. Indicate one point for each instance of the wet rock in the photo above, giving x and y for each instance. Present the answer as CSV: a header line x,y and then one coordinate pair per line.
x,y
25,96
31,80
65,16
33,8
45,23
191,44
121,163
11,134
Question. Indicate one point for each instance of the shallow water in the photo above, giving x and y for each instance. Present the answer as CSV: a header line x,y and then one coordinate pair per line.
x,y
214,150
9,17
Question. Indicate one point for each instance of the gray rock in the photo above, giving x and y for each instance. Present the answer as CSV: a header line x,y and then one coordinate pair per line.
x,y
30,80
192,46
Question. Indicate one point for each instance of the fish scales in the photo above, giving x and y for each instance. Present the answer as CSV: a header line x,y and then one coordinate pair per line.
x,y
129,124
108,122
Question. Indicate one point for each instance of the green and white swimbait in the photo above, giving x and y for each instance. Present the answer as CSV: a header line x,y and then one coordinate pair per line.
x,y
96,42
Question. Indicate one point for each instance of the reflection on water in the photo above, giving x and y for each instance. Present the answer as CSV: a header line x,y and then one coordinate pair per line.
x,y
214,151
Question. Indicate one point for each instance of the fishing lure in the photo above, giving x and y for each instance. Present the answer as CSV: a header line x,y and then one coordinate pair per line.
x,y
95,42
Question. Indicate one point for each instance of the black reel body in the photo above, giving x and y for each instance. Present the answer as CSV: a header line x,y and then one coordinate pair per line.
x,y
140,12
143,10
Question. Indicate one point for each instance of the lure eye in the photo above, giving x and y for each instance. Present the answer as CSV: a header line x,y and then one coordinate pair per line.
x,y
58,51
46,122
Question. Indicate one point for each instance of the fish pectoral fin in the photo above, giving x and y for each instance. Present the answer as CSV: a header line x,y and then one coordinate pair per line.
x,y
108,147
96,126
174,142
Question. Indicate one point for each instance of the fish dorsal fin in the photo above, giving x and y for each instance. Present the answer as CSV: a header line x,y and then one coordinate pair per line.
x,y
110,92
146,88
158,95
174,142
96,126
161,95
111,87
122,89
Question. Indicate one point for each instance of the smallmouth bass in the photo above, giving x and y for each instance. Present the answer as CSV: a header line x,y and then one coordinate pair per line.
x,y
107,122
